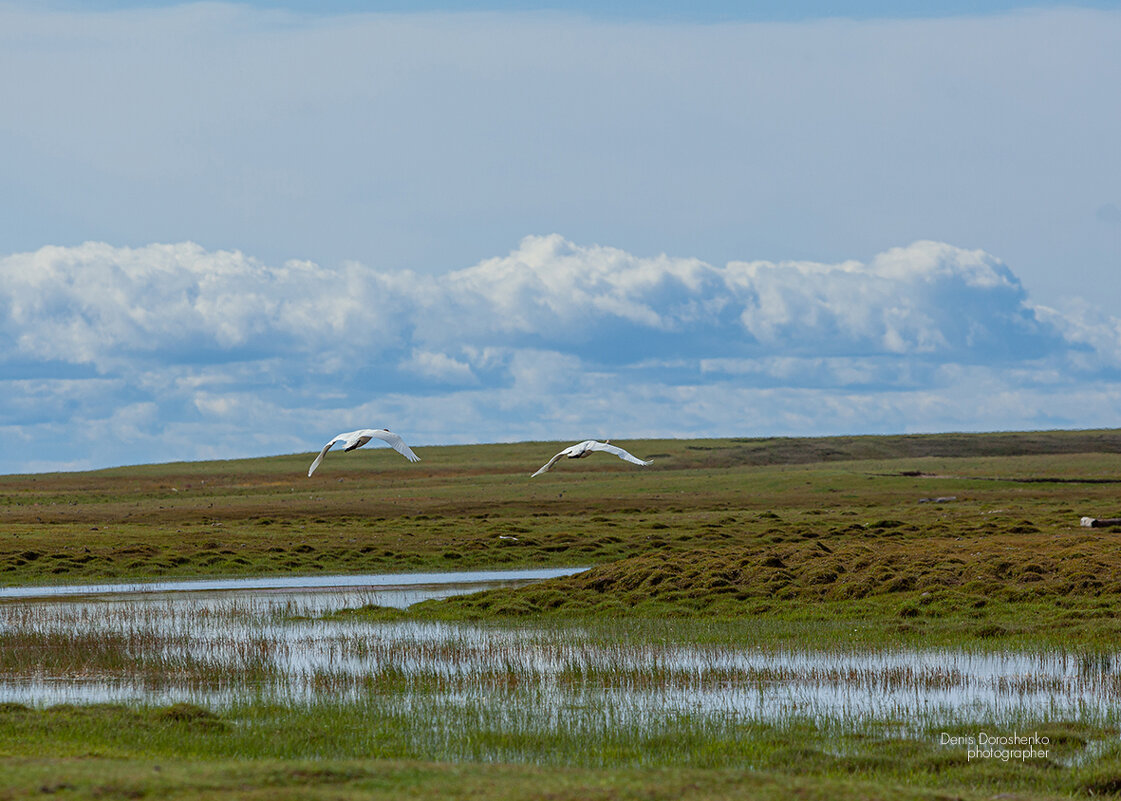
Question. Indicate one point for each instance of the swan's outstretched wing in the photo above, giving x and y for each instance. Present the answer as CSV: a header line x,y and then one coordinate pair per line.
x,y
549,465
395,442
356,439
622,454
322,453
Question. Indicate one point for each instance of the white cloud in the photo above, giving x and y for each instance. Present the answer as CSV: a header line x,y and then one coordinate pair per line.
x,y
439,366
1093,328
96,304
170,351
926,298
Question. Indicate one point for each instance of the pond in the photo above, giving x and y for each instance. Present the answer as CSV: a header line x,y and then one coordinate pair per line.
x,y
220,643
428,585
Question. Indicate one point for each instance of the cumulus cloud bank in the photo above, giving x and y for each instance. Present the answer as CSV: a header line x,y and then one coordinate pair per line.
x,y
173,352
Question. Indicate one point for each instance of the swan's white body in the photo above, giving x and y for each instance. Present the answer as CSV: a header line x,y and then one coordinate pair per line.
x,y
587,448
356,439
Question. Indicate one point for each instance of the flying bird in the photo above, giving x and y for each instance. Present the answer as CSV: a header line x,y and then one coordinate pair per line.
x,y
587,448
356,439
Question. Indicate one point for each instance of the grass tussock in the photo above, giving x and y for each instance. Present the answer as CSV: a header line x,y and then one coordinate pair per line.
x,y
723,579
978,590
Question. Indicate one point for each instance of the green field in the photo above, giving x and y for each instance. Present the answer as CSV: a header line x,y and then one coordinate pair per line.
x,y
843,545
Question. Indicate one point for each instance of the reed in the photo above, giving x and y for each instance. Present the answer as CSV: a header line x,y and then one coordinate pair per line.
x,y
215,653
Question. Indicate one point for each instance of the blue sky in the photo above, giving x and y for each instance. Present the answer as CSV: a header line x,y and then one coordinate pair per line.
x,y
671,10
237,229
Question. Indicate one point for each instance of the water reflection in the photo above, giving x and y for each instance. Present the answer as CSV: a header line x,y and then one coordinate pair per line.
x,y
220,647
465,581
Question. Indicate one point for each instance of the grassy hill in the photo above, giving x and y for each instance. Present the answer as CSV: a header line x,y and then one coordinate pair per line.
x,y
476,506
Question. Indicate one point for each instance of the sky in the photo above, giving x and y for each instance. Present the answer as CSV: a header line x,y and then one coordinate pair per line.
x,y
237,229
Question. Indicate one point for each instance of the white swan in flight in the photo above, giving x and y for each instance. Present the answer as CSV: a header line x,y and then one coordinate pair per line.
x,y
356,439
587,448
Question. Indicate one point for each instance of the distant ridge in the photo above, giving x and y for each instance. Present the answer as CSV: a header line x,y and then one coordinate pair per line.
x,y
807,450
692,452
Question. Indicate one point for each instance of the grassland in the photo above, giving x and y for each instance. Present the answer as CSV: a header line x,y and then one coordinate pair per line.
x,y
941,537
186,752
474,506
949,540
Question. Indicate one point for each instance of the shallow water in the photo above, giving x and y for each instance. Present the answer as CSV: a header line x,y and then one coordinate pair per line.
x,y
217,645
468,581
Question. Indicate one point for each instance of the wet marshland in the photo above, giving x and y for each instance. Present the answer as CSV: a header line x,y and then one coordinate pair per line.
x,y
219,645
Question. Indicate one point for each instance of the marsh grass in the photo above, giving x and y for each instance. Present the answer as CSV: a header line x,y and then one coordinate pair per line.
x,y
339,739
475,506
556,704
765,614
936,590
383,780
217,652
